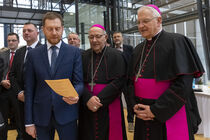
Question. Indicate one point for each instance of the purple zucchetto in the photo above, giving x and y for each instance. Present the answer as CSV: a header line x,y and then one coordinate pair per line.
x,y
155,7
99,26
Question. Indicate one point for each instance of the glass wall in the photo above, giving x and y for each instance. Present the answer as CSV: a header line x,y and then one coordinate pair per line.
x,y
89,14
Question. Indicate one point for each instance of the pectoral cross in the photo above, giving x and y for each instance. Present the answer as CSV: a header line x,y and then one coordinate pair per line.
x,y
92,84
137,76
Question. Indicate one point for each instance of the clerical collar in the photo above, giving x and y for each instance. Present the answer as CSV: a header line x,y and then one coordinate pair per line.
x,y
100,53
33,45
155,36
57,45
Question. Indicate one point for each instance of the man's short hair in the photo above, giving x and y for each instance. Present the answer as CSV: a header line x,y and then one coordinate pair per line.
x,y
73,33
27,23
10,34
52,16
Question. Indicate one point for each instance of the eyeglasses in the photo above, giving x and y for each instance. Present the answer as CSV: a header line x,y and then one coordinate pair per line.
x,y
145,21
91,37
11,40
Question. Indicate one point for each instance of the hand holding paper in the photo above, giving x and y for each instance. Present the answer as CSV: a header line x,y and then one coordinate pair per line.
x,y
71,100
62,87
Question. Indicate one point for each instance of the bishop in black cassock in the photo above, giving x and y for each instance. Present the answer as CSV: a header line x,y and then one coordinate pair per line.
x,y
101,115
161,74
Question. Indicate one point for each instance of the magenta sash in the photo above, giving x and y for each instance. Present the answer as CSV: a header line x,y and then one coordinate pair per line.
x,y
115,119
176,126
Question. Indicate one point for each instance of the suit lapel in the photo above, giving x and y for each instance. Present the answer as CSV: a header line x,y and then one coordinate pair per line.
x,y
7,59
44,53
38,44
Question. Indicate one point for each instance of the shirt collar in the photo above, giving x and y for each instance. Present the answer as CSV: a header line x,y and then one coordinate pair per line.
x,y
121,46
12,51
33,45
57,45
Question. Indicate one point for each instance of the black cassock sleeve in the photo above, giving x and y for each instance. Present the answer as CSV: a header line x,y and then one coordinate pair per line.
x,y
173,98
111,91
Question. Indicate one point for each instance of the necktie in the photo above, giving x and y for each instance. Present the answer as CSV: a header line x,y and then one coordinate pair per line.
x,y
29,48
10,63
11,59
53,58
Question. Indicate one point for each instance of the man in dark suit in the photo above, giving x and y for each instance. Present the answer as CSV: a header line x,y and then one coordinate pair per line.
x,y
1,74
45,110
127,52
30,34
7,96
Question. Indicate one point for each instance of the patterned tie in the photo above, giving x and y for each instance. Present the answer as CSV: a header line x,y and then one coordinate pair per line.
x,y
53,58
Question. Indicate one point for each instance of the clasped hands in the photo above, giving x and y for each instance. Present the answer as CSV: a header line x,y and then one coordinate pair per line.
x,y
6,84
94,104
143,112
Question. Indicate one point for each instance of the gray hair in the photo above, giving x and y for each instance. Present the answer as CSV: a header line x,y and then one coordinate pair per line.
x,y
155,13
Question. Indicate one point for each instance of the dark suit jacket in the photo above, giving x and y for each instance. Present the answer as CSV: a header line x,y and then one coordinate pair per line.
x,y
40,100
5,55
1,67
127,52
16,73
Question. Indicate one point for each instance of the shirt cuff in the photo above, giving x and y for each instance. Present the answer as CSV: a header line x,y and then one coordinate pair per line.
x,y
27,125
21,91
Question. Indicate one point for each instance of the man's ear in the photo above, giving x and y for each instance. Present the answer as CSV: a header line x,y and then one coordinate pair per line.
x,y
159,19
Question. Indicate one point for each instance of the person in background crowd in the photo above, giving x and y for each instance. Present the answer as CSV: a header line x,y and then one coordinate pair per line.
x,y
16,75
127,51
73,39
8,98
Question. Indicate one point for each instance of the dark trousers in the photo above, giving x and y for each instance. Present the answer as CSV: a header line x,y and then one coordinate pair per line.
x,y
130,115
8,100
65,132
25,135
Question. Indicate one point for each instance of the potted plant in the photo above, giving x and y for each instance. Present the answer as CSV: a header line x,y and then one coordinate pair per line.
x,y
200,83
